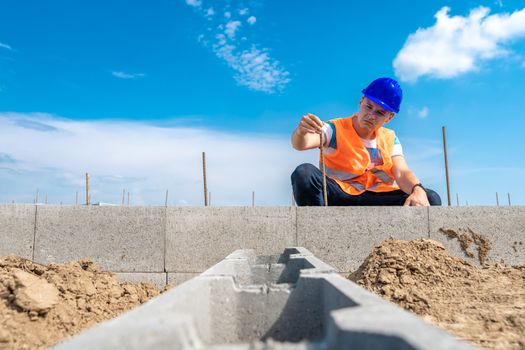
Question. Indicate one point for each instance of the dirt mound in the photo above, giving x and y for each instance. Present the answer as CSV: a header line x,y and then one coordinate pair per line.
x,y
41,305
485,306
465,238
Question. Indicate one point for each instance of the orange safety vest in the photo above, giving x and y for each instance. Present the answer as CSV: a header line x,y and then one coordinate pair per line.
x,y
349,164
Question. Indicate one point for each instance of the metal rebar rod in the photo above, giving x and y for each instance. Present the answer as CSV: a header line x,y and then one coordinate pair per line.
x,y
446,163
204,179
508,196
497,199
457,200
87,189
166,201
253,198
321,148
129,195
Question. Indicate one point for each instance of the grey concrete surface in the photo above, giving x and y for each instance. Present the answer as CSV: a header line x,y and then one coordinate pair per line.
x,y
503,226
197,238
344,236
17,229
189,240
118,239
158,279
241,304
176,278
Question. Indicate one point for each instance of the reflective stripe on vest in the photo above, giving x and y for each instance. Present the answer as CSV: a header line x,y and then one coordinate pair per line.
x,y
383,176
338,174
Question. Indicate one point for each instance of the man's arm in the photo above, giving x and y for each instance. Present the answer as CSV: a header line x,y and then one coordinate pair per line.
x,y
406,180
306,135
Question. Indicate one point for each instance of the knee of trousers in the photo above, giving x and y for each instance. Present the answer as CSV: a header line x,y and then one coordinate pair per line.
x,y
303,175
433,197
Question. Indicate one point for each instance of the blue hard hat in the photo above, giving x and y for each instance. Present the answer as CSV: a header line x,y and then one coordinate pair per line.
x,y
386,92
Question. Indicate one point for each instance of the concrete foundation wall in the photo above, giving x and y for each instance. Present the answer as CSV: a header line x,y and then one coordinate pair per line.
x,y
174,244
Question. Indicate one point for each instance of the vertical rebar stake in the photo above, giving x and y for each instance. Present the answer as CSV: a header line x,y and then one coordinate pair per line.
x,y
87,189
446,162
253,198
508,196
204,179
321,147
76,198
166,202
497,199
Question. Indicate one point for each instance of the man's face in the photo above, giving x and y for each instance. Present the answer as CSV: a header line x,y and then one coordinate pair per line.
x,y
371,116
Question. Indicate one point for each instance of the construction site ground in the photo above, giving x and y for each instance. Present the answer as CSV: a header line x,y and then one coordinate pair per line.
x,y
41,305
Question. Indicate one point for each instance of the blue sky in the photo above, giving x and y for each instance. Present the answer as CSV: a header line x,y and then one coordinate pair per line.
x,y
133,91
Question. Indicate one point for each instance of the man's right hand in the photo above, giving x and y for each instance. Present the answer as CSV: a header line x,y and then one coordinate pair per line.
x,y
306,135
310,123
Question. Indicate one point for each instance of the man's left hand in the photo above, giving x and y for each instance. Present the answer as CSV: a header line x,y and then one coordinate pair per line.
x,y
418,198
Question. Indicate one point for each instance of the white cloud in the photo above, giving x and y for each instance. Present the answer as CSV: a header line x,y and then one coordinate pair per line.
x,y
423,112
210,12
124,75
254,68
231,28
251,62
457,45
143,159
194,3
5,46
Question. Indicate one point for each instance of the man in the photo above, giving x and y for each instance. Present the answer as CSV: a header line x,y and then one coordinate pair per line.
x,y
364,161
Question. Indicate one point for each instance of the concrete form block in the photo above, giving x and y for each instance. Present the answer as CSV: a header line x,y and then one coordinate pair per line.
x,y
344,236
176,278
118,239
503,226
241,304
17,229
158,279
197,238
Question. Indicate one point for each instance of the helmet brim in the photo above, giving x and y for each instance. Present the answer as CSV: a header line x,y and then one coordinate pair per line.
x,y
379,102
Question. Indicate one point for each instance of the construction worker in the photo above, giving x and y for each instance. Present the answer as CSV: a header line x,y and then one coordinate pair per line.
x,y
364,161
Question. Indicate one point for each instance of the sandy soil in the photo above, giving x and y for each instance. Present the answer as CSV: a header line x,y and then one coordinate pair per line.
x,y
483,305
41,305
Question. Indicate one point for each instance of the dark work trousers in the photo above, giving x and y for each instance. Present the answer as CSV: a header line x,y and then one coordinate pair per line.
x,y
307,183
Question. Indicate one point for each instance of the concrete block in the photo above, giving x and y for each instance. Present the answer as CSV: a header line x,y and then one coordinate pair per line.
x,y
17,229
118,239
176,278
344,236
158,279
197,238
503,226
316,310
